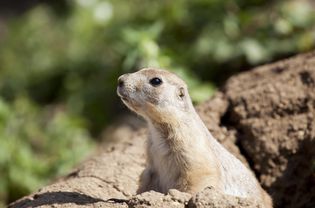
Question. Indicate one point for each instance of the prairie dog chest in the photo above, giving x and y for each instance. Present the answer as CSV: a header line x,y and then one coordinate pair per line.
x,y
163,157
169,162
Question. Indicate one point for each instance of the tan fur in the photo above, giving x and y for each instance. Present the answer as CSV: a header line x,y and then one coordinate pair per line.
x,y
181,152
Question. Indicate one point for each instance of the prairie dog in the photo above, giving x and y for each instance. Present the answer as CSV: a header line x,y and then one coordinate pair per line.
x,y
181,152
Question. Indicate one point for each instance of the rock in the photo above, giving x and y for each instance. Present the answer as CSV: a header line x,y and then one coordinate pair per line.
x,y
154,199
211,198
272,108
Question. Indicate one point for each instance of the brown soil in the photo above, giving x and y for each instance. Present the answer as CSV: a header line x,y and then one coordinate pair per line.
x,y
266,117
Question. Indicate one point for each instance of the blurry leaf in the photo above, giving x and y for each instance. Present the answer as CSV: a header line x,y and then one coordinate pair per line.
x,y
299,12
283,26
198,91
202,92
224,50
254,52
305,41
231,26
4,113
103,12
34,147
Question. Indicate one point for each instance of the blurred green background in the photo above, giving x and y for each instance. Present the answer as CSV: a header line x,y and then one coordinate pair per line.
x,y
60,61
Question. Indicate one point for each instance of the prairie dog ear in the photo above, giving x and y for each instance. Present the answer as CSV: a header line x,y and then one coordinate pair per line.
x,y
181,93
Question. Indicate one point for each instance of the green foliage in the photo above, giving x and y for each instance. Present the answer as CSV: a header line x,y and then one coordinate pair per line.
x,y
76,57
73,55
36,145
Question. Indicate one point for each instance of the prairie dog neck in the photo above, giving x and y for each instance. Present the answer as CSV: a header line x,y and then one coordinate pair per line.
x,y
179,129
179,150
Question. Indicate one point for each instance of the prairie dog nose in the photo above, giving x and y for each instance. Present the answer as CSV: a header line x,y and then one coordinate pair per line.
x,y
122,80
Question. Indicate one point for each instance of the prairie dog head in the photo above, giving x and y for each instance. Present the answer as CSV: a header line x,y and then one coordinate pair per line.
x,y
155,94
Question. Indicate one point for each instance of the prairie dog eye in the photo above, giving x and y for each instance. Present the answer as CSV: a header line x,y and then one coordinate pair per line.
x,y
155,81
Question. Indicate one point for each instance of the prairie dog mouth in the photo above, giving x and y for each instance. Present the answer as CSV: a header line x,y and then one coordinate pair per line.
x,y
122,94
124,99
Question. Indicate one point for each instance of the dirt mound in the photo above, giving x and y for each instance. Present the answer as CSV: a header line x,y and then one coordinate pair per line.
x,y
266,117
272,108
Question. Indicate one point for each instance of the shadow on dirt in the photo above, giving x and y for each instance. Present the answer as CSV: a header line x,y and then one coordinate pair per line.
x,y
61,197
